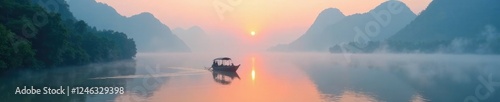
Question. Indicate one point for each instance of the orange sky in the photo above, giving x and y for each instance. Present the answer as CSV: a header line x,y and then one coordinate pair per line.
x,y
275,21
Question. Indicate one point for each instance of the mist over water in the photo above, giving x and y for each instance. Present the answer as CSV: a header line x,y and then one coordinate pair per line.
x,y
160,77
163,51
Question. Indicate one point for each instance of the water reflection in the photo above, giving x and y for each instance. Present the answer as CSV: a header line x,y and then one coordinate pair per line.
x,y
253,75
224,77
399,78
281,78
253,69
349,96
274,84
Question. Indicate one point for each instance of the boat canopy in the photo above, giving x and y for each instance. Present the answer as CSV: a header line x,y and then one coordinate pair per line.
x,y
223,58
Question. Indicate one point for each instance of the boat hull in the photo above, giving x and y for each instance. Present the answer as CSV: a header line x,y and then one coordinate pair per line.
x,y
226,68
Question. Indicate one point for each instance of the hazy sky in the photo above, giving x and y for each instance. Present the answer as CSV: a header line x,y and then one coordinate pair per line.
x,y
274,21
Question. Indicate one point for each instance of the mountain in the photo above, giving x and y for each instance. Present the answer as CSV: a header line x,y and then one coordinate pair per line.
x,y
195,37
192,31
148,32
383,19
325,18
450,19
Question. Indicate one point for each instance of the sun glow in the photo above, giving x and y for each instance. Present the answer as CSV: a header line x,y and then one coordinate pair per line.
x,y
252,33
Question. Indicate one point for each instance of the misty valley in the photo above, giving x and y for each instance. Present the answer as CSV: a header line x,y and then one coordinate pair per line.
x,y
249,51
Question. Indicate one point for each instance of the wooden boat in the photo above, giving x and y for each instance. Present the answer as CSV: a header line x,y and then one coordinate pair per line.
x,y
224,64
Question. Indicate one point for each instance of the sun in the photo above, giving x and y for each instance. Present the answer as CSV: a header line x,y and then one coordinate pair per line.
x,y
252,33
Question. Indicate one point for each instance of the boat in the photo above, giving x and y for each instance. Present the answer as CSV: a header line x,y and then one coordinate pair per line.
x,y
224,64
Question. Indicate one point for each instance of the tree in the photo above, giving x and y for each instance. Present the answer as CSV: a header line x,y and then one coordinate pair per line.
x,y
16,52
60,41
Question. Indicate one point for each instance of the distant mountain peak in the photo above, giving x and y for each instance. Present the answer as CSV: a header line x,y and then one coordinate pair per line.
x,y
192,29
328,16
194,37
331,11
195,28
145,14
385,5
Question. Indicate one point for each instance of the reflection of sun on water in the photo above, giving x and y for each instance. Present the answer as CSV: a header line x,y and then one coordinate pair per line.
x,y
270,88
253,74
253,68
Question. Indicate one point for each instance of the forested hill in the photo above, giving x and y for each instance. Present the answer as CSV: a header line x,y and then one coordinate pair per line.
x,y
150,34
32,36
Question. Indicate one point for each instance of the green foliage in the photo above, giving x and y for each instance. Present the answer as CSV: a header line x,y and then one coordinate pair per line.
x,y
16,52
31,37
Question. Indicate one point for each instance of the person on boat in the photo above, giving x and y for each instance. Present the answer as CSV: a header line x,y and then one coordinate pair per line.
x,y
215,63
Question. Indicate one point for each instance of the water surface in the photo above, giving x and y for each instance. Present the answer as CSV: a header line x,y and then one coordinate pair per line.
x,y
292,77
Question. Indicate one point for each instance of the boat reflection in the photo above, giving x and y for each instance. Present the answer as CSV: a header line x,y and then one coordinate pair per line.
x,y
224,77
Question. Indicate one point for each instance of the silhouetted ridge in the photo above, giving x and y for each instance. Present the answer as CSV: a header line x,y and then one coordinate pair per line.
x,y
332,27
149,33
